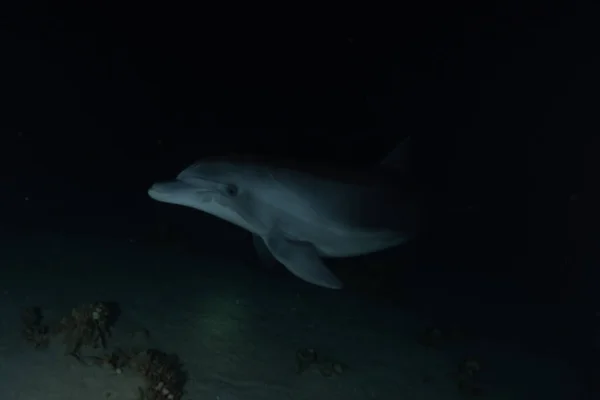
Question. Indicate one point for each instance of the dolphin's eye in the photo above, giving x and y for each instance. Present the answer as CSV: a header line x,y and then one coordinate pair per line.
x,y
231,190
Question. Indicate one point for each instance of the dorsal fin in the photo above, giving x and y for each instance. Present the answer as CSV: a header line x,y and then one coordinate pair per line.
x,y
399,157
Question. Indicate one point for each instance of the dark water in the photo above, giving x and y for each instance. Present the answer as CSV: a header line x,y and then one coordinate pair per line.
x,y
97,104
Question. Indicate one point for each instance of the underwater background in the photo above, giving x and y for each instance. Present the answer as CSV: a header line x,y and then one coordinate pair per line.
x,y
105,293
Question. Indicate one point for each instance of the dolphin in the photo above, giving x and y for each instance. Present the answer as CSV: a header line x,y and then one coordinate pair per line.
x,y
302,213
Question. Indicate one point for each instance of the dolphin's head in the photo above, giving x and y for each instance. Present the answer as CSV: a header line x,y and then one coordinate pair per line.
x,y
200,183
210,186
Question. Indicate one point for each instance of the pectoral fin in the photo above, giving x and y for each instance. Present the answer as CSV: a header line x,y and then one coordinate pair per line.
x,y
264,254
302,260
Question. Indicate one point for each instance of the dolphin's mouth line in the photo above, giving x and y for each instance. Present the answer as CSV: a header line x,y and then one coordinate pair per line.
x,y
205,190
199,181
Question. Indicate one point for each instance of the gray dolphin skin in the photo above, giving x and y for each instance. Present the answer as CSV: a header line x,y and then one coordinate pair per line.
x,y
299,214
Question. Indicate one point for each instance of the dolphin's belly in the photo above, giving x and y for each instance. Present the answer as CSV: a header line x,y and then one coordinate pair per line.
x,y
339,241
355,245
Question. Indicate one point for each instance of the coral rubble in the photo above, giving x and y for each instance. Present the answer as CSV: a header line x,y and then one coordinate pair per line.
x,y
90,325
34,331
307,358
468,378
87,325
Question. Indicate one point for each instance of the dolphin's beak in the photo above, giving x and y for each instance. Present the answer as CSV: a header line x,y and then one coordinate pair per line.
x,y
190,194
167,191
169,187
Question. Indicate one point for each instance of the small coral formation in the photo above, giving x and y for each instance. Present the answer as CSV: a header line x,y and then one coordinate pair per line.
x,y
467,375
304,359
330,368
436,338
34,331
307,358
164,374
468,378
90,325
431,337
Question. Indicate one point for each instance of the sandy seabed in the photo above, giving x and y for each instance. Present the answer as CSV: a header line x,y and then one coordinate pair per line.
x,y
236,330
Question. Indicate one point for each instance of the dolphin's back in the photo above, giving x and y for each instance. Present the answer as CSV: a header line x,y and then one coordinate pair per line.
x,y
346,198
